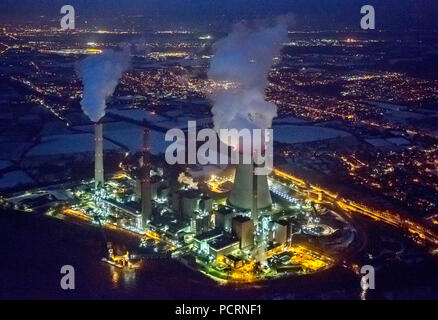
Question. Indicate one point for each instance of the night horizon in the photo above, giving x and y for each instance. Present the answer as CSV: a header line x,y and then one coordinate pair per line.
x,y
394,15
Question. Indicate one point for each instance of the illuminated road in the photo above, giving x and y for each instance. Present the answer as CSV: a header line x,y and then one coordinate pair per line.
x,y
419,232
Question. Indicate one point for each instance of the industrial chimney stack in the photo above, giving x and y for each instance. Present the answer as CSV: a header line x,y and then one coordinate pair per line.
x,y
146,197
98,155
254,197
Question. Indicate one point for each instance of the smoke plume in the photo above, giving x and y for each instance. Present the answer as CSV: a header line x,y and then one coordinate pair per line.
x,y
100,75
245,57
188,181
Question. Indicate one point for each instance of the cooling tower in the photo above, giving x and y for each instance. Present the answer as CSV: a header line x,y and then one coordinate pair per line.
x,y
146,197
248,188
98,155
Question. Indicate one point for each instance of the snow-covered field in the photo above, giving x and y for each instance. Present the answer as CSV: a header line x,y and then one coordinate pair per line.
x,y
288,120
302,134
132,138
401,114
172,119
137,115
5,164
67,144
125,135
14,179
13,150
389,142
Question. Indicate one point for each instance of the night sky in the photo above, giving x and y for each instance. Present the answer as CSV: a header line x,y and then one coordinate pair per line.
x,y
390,14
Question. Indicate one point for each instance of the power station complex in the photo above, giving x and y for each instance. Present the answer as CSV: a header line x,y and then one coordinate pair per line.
x,y
236,225
238,216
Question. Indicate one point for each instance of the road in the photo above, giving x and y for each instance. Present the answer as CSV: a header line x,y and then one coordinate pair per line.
x,y
414,229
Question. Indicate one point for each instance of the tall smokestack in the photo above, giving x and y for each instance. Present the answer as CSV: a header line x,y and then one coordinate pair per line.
x,y
100,75
98,155
146,198
254,204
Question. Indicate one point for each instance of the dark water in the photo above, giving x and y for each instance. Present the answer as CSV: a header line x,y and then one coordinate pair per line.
x,y
35,247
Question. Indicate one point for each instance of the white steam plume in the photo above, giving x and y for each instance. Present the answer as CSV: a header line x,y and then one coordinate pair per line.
x,y
245,57
187,180
100,75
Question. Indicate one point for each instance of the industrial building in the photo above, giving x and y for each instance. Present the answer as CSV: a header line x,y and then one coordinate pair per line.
x,y
189,203
281,230
130,212
223,218
216,244
243,229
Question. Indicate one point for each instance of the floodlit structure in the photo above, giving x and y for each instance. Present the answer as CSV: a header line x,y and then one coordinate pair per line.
x,y
250,191
98,155
243,228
